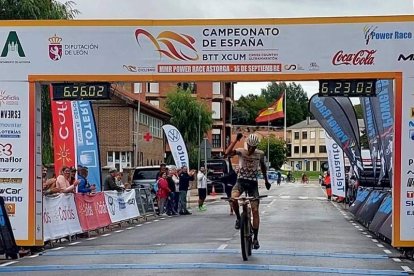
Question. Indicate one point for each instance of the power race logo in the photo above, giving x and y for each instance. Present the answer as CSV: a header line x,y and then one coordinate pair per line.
x,y
175,46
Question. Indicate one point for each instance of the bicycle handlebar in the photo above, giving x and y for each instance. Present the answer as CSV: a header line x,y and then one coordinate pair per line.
x,y
244,198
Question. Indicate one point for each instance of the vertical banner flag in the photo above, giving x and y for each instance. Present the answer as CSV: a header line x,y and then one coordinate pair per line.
x,y
336,166
329,113
87,141
177,145
273,112
349,110
371,131
63,134
383,110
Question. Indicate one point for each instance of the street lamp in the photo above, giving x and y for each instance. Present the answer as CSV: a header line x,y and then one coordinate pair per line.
x,y
270,109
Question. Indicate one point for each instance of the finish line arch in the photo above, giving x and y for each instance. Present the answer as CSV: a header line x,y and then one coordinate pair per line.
x,y
34,52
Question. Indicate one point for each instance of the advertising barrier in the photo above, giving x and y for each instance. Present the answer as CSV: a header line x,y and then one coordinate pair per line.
x,y
368,210
121,206
382,214
60,218
144,201
386,227
92,211
362,195
7,242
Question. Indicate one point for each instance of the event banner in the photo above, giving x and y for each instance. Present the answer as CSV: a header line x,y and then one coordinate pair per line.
x,y
92,211
121,206
60,218
336,166
382,214
383,109
86,140
177,145
371,131
63,134
331,116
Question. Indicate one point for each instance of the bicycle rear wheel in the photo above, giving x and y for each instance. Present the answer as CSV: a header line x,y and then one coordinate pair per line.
x,y
245,237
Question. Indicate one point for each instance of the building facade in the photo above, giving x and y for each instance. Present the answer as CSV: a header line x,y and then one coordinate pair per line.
x,y
123,142
218,96
306,145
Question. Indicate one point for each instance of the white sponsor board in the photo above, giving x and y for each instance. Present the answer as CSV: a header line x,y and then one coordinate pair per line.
x,y
121,206
336,166
212,50
60,218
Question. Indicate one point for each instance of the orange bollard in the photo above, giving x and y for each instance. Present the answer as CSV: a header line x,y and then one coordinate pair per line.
x,y
213,191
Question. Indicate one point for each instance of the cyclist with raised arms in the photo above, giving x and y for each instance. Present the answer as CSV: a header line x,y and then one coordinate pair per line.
x,y
249,161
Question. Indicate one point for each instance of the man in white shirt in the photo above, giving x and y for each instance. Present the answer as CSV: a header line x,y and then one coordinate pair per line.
x,y
202,188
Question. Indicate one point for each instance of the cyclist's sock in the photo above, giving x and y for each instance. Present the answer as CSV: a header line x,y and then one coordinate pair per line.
x,y
255,232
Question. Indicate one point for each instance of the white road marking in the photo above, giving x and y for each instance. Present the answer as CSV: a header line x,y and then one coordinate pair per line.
x,y
284,196
139,225
303,197
223,246
406,268
374,240
106,235
162,218
119,231
368,236
396,260
364,233
148,222
380,245
91,239
9,263
129,228
78,242
157,220
387,251
33,256
57,248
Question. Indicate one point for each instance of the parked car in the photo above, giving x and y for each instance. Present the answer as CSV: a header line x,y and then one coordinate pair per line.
x,y
272,176
216,169
144,176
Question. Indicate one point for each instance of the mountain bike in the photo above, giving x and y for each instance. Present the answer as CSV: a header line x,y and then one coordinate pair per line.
x,y
290,179
246,230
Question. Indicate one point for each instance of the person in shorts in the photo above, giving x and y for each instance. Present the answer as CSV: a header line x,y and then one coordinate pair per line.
x,y
249,162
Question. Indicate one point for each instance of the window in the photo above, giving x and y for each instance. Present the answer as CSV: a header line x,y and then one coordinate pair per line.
x,y
296,149
153,87
307,165
322,149
216,137
144,119
304,149
216,108
119,159
296,135
312,149
155,127
216,88
312,134
299,165
304,135
155,103
188,86
137,87
315,165
292,164
321,133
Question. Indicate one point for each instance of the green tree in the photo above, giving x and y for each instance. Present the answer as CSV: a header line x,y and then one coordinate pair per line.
x,y
36,10
190,117
247,108
277,150
358,111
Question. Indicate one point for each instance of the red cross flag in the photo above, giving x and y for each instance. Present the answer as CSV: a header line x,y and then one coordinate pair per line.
x,y
148,137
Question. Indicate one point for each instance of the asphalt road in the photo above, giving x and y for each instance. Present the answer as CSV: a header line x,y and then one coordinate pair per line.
x,y
301,234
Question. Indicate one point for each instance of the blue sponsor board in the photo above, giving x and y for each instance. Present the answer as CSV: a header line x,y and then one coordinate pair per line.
x,y
86,139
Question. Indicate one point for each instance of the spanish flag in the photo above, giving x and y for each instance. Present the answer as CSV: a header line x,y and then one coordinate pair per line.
x,y
273,112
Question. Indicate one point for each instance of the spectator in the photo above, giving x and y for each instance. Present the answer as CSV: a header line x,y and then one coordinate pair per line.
x,y
73,175
110,182
163,168
202,189
278,178
328,185
171,197
84,185
63,181
184,183
118,180
48,185
176,180
162,193
229,180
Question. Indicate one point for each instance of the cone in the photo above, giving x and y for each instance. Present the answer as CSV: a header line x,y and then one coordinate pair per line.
x,y
213,191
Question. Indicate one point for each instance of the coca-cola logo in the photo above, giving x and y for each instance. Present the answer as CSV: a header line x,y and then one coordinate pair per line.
x,y
362,57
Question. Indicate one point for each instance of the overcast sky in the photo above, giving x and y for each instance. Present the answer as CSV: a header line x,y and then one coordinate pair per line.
x,y
185,9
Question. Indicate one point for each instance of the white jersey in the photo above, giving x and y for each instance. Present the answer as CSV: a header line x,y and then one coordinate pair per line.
x,y
249,164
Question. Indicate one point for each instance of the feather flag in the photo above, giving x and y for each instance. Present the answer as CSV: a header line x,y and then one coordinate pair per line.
x,y
273,112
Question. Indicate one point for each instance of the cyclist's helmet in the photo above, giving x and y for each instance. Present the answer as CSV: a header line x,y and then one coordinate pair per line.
x,y
252,140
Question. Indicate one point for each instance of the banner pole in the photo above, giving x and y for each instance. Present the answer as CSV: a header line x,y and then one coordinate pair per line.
x,y
284,120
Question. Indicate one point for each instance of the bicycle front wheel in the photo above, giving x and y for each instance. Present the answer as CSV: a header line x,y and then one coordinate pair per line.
x,y
245,239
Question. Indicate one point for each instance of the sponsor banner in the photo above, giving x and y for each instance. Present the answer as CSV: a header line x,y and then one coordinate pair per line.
x,y
383,110
371,130
60,218
63,134
14,157
362,195
329,113
92,211
367,212
381,215
121,206
86,139
177,145
336,166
